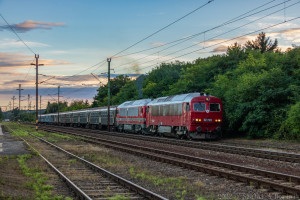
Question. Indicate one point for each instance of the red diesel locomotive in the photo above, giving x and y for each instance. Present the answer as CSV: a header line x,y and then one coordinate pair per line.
x,y
193,115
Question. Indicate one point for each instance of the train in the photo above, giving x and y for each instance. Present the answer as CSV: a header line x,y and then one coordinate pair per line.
x,y
191,116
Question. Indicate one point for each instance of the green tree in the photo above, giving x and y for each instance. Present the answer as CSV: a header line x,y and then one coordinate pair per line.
x,y
290,129
53,107
158,81
77,105
1,114
262,43
115,85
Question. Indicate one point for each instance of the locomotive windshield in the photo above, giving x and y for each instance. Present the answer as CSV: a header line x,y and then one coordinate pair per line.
x,y
199,107
214,107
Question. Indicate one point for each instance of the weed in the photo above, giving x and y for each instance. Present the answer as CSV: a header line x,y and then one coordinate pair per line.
x,y
72,161
176,184
119,197
2,182
199,197
251,183
38,183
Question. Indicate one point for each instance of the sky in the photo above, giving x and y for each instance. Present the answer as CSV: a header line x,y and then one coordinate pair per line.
x,y
74,38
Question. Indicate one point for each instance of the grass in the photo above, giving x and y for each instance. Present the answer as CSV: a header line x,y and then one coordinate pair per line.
x,y
104,158
178,185
119,197
72,161
22,130
38,180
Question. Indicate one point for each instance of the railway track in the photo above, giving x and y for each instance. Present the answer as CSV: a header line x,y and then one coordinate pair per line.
x,y
262,145
284,183
258,153
87,180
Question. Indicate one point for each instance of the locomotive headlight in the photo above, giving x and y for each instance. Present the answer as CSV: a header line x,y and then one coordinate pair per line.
x,y
219,120
197,120
216,120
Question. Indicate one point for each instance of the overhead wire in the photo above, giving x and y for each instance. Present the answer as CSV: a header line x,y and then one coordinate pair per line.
x,y
154,33
225,23
218,35
163,28
240,17
12,29
227,40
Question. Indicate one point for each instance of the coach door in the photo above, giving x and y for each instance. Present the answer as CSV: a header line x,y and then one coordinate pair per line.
x,y
186,110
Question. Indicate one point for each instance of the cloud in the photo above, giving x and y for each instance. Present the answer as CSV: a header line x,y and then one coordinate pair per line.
x,y
220,49
31,25
157,44
17,60
12,43
14,60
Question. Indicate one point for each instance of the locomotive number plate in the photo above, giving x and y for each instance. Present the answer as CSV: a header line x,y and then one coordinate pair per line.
x,y
207,120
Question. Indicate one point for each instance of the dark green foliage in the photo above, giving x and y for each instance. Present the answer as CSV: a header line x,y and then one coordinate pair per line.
x,y
77,105
1,115
157,83
290,129
262,43
27,117
127,92
115,85
53,107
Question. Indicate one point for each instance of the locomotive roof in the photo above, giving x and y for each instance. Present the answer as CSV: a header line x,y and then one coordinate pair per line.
x,y
141,102
175,99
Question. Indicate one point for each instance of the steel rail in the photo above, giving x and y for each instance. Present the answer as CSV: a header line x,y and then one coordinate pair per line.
x,y
245,151
79,193
132,186
144,151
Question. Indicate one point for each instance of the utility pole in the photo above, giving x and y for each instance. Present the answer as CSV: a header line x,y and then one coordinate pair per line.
x,y
40,106
108,94
28,102
10,109
58,105
36,89
20,98
13,116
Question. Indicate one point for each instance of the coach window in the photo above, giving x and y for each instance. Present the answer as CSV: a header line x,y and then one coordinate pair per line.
x,y
214,107
199,107
187,107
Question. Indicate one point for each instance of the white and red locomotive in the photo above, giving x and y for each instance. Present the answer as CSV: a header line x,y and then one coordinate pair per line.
x,y
193,115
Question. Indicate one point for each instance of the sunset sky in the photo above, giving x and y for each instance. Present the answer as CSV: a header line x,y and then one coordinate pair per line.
x,y
74,37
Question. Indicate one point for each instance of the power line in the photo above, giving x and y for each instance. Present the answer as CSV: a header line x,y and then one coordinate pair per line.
x,y
235,19
227,40
101,62
198,8
215,36
225,23
17,34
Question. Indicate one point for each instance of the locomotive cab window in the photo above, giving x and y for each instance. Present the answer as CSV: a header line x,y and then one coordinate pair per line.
x,y
199,107
214,107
